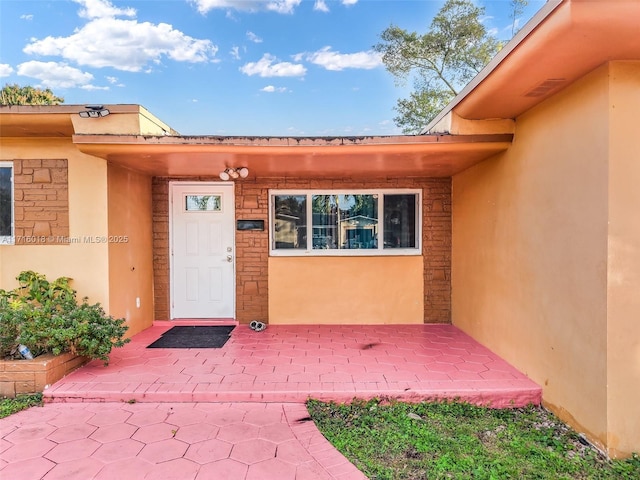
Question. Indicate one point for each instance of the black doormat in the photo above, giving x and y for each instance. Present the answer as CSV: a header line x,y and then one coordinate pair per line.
x,y
206,336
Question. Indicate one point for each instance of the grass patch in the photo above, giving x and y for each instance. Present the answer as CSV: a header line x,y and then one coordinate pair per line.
x,y
9,406
457,440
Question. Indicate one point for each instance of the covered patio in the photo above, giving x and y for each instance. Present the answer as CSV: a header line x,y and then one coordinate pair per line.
x,y
291,363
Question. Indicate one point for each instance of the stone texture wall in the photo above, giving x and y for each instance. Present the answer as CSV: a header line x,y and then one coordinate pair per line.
x,y
252,247
160,199
41,202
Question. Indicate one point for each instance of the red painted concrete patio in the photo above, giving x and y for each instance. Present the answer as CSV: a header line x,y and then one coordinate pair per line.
x,y
293,363
237,412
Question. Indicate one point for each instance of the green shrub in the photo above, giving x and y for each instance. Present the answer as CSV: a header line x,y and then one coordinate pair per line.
x,y
46,317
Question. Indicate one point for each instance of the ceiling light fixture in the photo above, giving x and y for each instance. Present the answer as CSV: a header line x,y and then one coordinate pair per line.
x,y
94,111
230,173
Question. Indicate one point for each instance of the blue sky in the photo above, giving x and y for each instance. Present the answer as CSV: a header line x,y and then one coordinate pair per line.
x,y
224,67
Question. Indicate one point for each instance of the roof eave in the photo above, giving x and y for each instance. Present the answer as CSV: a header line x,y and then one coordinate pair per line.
x,y
522,34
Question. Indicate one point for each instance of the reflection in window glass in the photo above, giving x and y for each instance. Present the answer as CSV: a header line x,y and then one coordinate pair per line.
x,y
5,202
203,203
345,221
400,221
290,221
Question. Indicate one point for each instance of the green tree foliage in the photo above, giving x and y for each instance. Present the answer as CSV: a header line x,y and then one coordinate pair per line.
x,y
440,62
17,95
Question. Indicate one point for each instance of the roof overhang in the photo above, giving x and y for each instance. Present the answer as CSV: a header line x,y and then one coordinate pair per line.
x,y
46,121
563,42
416,156
37,121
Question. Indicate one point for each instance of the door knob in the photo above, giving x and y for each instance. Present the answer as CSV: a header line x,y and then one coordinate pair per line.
x,y
229,258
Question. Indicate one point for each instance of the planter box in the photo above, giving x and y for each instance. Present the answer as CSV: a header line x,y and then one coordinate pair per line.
x,y
33,376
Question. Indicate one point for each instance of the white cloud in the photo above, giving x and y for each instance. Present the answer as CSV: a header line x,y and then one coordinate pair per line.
x,y
102,9
124,44
55,75
265,67
515,26
5,69
204,6
279,6
321,6
93,87
283,6
349,2
235,52
272,89
253,37
339,61
26,17
114,81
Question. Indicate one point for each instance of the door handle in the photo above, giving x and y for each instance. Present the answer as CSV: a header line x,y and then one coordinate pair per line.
x,y
229,258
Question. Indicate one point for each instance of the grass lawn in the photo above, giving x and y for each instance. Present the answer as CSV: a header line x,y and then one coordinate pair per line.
x,y
456,440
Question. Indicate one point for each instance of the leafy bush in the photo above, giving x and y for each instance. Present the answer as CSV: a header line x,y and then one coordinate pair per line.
x,y
47,318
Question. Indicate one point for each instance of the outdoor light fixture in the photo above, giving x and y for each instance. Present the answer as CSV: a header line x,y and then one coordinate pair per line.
x,y
234,173
94,111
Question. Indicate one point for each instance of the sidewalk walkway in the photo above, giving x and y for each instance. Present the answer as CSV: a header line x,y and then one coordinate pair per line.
x,y
167,441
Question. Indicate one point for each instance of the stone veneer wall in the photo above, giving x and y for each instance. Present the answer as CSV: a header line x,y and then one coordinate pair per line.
x,y
41,201
252,247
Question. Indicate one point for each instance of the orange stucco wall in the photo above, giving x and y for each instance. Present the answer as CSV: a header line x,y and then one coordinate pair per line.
x,y
346,290
623,293
86,262
130,248
532,269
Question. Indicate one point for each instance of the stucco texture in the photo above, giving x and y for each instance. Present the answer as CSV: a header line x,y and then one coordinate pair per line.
x,y
532,265
346,290
130,248
623,293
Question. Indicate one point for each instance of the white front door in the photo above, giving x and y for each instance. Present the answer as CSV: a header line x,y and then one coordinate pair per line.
x,y
202,250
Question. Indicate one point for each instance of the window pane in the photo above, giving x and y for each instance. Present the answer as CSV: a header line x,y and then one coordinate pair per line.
x,y
345,221
290,221
5,202
400,221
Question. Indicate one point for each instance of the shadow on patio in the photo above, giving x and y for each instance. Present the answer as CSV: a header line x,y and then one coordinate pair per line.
x,y
292,363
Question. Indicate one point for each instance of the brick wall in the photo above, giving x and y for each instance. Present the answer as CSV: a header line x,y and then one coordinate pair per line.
x,y
41,202
160,199
436,249
252,247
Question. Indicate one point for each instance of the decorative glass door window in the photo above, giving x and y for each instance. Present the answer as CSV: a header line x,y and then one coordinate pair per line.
x,y
202,203
345,223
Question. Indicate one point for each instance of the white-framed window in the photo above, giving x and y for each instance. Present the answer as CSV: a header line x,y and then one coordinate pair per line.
x,y
345,222
6,204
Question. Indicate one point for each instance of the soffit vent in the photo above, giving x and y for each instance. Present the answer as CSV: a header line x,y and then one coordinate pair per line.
x,y
545,87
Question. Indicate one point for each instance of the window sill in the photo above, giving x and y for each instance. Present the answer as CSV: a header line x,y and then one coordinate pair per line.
x,y
396,252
